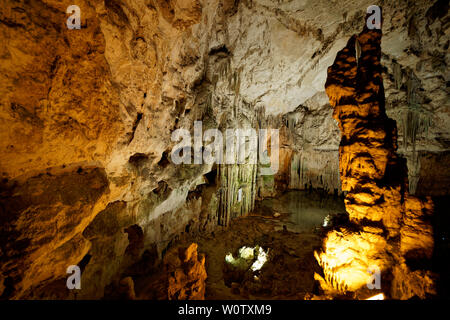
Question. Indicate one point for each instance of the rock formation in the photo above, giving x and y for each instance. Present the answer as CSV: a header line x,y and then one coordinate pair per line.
x,y
390,228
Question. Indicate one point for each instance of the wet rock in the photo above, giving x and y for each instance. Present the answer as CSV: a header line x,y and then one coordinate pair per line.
x,y
110,95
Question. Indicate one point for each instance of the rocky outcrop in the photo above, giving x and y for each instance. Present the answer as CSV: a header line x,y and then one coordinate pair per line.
x,y
390,228
42,218
186,274
87,117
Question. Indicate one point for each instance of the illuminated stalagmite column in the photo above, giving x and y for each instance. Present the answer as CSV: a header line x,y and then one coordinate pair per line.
x,y
388,227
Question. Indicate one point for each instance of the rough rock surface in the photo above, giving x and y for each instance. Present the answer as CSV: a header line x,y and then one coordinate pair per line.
x,y
390,226
87,116
186,274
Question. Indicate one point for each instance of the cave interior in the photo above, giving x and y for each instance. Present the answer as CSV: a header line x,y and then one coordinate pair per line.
x,y
224,150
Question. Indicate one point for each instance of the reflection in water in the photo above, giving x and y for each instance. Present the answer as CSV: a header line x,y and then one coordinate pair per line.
x,y
302,210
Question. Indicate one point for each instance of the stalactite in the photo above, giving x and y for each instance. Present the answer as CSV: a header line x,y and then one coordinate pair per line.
x,y
234,177
316,169
397,75
413,170
415,120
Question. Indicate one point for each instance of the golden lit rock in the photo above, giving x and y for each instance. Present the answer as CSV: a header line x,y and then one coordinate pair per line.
x,y
376,181
186,274
346,258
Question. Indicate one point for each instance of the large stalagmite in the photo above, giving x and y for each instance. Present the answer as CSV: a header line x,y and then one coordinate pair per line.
x,y
388,227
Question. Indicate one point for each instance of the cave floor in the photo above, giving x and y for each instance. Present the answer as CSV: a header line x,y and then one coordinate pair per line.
x,y
289,227
288,274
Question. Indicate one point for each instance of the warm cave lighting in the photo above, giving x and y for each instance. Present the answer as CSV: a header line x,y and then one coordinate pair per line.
x,y
377,297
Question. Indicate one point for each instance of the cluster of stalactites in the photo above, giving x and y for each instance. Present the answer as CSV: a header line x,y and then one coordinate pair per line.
x,y
315,169
237,191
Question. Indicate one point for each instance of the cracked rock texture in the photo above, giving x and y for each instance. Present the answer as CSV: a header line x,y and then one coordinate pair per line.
x,y
87,117
186,274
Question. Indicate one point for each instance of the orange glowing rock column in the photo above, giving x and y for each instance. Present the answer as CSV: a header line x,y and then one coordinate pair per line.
x,y
382,214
